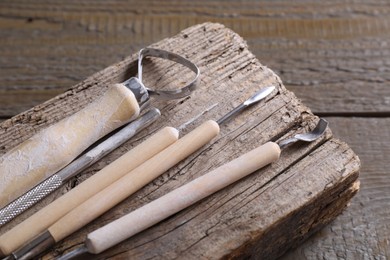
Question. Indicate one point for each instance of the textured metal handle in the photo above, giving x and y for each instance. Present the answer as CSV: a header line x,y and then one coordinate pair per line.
x,y
40,191
29,198
55,146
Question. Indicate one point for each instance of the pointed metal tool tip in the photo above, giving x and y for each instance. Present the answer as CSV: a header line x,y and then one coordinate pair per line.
x,y
259,95
252,100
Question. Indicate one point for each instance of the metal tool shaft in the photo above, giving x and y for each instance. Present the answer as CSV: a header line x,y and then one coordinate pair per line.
x,y
141,94
261,94
77,252
43,189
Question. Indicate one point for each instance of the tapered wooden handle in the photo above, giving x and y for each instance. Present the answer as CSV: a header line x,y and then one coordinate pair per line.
x,y
134,180
178,199
51,149
44,218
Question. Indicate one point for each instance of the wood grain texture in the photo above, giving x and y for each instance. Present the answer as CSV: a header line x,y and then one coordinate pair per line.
x,y
245,218
332,54
320,49
362,230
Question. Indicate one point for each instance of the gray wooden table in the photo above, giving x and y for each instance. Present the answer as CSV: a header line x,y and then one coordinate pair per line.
x,y
333,55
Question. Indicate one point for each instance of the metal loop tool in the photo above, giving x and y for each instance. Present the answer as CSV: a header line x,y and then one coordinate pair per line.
x,y
142,95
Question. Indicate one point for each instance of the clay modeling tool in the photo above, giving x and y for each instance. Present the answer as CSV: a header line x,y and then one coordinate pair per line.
x,y
188,194
52,183
52,148
119,190
48,215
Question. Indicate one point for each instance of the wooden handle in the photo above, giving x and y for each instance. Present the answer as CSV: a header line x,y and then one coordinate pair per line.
x,y
44,218
79,164
171,203
133,181
51,149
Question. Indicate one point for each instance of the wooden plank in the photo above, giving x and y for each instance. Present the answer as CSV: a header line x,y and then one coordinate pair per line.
x,y
362,230
306,189
24,99
41,72
69,36
331,77
313,56
208,9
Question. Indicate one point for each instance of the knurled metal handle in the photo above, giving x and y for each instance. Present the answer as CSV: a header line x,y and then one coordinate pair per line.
x,y
84,161
29,198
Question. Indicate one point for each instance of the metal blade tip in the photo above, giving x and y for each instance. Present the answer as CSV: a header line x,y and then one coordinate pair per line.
x,y
259,95
321,126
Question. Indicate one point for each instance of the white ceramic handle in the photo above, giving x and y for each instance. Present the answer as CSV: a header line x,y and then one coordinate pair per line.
x,y
54,147
157,210
133,181
41,220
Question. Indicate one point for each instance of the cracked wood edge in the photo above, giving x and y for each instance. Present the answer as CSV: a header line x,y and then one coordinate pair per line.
x,y
324,201
361,230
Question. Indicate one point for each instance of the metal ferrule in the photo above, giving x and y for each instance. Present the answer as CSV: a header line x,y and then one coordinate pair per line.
x,y
35,247
140,92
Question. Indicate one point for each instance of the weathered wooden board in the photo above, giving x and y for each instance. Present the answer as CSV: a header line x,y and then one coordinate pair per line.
x,y
361,231
326,52
46,47
261,216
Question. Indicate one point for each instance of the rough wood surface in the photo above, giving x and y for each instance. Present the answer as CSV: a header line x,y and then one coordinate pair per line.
x,y
362,231
320,49
260,216
332,54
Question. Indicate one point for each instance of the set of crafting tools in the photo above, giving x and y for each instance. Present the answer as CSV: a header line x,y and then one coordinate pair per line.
x,y
67,139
